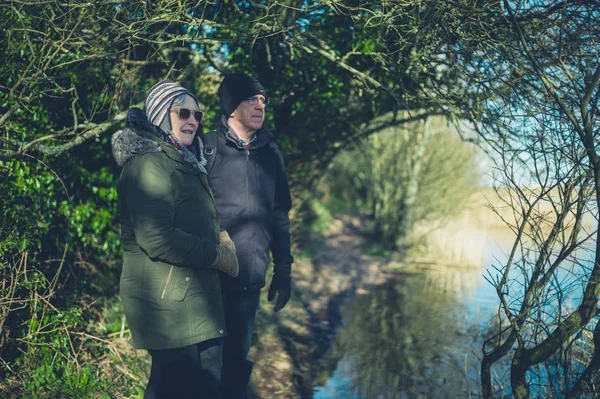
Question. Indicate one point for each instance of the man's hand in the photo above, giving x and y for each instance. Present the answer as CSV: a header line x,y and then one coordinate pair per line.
x,y
281,284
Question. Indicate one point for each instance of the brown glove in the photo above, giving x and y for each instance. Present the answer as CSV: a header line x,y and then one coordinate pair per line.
x,y
226,260
224,239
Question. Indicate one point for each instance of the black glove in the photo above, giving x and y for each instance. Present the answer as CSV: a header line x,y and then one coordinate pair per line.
x,y
282,284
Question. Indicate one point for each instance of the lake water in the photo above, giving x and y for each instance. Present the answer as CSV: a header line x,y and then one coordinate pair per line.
x,y
420,334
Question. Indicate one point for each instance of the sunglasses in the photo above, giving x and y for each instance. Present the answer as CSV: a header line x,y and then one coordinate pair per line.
x,y
184,114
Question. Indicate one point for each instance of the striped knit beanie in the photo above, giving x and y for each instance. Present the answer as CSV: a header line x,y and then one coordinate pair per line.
x,y
159,100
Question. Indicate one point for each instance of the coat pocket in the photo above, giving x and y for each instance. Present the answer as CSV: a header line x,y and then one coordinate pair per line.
x,y
177,283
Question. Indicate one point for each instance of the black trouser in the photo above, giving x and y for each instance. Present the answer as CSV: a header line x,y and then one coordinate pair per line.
x,y
240,313
191,372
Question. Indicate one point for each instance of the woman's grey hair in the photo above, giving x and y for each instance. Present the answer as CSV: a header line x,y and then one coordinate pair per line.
x,y
180,99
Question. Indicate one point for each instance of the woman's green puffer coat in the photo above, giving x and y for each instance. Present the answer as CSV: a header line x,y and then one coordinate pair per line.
x,y
169,227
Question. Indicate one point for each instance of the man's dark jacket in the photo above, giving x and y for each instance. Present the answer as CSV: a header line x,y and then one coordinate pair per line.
x,y
253,200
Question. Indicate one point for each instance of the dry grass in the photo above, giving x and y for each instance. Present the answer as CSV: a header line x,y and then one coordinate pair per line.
x,y
466,239
462,240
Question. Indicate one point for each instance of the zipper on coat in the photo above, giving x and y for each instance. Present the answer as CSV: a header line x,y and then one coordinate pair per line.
x,y
167,283
247,177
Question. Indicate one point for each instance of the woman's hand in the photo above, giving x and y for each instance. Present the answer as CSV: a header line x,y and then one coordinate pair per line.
x,y
224,239
226,260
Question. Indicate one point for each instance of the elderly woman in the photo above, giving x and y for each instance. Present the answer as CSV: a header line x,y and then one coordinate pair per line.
x,y
172,246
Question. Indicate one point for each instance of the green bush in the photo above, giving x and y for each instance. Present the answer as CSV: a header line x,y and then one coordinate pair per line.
x,y
59,248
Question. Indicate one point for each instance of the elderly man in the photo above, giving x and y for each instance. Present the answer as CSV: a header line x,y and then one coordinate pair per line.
x,y
249,182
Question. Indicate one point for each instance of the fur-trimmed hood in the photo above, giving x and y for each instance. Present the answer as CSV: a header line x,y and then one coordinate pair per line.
x,y
141,137
127,143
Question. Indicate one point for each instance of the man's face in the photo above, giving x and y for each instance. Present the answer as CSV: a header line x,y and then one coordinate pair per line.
x,y
250,116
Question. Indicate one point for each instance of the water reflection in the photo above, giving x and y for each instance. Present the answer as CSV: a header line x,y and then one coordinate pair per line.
x,y
405,338
420,334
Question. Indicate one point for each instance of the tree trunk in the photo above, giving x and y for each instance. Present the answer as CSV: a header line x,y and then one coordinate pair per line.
x,y
412,188
518,380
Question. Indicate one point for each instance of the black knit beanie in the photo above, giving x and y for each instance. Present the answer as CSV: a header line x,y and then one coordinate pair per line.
x,y
236,88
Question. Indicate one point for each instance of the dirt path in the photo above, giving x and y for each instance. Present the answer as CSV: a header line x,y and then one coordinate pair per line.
x,y
292,343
